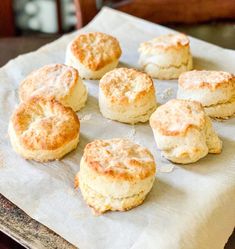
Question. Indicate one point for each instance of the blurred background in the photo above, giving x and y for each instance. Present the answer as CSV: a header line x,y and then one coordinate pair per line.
x,y
27,17
26,25
211,20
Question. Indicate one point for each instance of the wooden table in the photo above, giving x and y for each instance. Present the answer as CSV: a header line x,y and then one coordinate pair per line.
x,y
13,221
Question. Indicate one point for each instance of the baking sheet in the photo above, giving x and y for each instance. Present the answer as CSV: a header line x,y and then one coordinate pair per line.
x,y
189,207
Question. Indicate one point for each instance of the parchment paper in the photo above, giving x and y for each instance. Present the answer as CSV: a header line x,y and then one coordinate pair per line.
x,y
189,207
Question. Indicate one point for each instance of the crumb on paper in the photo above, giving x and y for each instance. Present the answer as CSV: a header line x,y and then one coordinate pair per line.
x,y
95,212
166,93
167,168
85,118
132,133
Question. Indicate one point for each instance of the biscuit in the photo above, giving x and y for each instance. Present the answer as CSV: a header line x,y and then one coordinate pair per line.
x,y
183,132
55,80
93,54
127,95
215,90
115,174
42,129
166,56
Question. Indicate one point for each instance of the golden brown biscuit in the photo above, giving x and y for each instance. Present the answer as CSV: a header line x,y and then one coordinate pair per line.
x,y
42,129
93,54
55,80
166,56
183,131
214,89
115,174
127,95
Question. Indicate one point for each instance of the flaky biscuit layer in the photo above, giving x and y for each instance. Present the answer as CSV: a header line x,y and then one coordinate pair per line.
x,y
100,203
221,111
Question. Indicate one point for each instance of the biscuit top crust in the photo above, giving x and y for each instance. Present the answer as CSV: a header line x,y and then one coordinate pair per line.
x,y
44,124
55,80
197,79
95,50
177,116
124,85
120,159
164,42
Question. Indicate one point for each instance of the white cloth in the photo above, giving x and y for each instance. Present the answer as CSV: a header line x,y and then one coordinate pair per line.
x,y
189,207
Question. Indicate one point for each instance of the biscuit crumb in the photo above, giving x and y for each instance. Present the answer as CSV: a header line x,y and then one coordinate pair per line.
x,y
167,168
132,133
168,92
95,212
85,118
